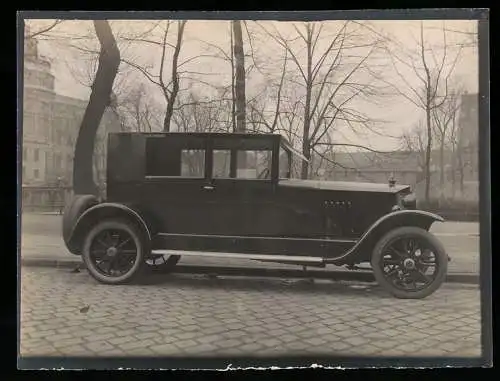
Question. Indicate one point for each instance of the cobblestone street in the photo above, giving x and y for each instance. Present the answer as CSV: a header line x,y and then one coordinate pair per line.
x,y
195,315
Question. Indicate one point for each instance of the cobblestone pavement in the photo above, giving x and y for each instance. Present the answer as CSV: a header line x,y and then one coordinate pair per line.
x,y
195,315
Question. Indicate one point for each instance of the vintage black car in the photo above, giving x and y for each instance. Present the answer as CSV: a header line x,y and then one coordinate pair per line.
x,y
235,196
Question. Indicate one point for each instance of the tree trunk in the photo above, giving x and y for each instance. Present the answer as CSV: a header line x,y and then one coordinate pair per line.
x,y
109,61
306,150
441,167
239,58
239,88
175,79
306,142
453,172
428,155
461,169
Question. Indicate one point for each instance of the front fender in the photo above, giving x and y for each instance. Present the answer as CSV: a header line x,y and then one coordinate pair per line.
x,y
364,246
104,211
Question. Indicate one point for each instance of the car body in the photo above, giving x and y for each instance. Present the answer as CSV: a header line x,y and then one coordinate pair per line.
x,y
235,195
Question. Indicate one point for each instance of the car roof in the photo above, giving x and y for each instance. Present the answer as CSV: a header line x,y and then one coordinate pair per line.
x,y
209,134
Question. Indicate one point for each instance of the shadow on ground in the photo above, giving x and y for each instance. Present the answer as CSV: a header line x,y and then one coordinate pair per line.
x,y
240,283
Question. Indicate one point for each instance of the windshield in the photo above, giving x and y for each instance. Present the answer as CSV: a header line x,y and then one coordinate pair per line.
x,y
290,161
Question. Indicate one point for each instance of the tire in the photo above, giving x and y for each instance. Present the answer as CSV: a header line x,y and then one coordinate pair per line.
x,y
72,211
409,264
131,251
162,266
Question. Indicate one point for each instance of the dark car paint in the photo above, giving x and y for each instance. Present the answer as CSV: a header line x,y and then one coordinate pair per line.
x,y
274,216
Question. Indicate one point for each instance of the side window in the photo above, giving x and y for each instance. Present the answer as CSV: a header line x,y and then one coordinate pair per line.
x,y
254,165
284,164
193,163
168,158
221,163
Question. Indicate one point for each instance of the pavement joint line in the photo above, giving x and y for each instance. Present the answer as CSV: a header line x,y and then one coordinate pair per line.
x,y
468,278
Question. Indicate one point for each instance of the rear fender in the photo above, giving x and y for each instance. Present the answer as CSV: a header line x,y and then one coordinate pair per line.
x,y
361,251
105,211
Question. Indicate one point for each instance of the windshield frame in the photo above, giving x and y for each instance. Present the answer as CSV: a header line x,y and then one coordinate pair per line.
x,y
291,153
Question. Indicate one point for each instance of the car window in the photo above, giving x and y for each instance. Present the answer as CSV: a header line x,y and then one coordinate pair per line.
x,y
193,163
284,164
169,159
254,165
221,163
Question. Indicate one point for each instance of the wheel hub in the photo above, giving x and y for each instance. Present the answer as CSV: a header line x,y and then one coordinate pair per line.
x,y
409,264
112,251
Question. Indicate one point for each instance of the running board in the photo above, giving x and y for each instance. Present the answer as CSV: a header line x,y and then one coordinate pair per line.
x,y
258,257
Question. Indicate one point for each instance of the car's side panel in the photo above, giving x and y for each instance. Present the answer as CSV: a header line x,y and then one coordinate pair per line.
x,y
330,214
319,248
361,251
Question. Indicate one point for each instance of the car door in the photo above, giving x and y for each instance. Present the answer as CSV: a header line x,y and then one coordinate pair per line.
x,y
175,181
241,188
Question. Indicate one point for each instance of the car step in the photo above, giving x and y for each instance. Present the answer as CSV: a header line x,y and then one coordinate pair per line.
x,y
259,257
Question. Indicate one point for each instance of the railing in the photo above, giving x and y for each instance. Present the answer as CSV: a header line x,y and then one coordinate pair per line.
x,y
45,198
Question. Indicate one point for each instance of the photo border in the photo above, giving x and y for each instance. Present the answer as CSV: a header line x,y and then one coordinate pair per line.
x,y
481,15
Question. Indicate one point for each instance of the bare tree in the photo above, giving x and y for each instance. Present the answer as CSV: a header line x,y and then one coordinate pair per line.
x,y
138,111
444,127
432,74
239,81
329,79
100,98
41,30
414,142
258,115
169,89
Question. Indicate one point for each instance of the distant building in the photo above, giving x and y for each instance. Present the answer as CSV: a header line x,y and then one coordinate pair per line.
x,y
50,127
408,167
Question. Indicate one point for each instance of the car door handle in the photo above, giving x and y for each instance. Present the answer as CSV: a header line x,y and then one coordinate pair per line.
x,y
208,187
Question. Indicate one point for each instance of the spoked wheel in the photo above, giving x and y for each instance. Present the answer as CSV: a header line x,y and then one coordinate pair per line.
x,y
162,264
114,252
410,263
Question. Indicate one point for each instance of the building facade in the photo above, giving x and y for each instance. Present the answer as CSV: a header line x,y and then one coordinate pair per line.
x,y
50,127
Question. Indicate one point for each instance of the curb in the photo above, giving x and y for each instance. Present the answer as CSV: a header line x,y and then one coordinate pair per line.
x,y
359,275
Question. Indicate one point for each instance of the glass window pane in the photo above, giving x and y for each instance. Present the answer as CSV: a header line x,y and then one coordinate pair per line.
x,y
222,163
193,163
284,164
254,165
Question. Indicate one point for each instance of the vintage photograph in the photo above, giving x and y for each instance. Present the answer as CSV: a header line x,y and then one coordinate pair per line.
x,y
256,188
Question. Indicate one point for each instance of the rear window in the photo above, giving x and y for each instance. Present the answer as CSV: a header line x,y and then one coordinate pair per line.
x,y
166,157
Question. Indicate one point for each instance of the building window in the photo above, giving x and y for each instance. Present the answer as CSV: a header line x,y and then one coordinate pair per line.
x,y
28,122
25,153
36,153
36,173
24,172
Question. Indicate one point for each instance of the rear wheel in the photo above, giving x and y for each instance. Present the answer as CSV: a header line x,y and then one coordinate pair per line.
x,y
409,262
114,252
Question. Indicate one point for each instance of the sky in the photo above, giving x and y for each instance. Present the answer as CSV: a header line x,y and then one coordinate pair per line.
x,y
397,113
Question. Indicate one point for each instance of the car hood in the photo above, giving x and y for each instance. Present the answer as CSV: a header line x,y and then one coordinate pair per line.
x,y
342,186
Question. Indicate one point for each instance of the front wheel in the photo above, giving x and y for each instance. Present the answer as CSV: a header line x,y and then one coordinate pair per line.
x,y
409,262
114,252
